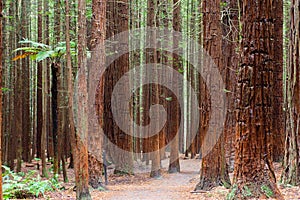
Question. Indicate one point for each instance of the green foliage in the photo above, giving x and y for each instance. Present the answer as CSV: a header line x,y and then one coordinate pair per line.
x,y
223,5
169,98
267,191
232,192
30,185
246,191
226,91
39,51
5,89
226,184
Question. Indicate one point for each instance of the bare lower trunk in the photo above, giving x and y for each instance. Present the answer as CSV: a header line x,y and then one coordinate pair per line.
x,y
253,173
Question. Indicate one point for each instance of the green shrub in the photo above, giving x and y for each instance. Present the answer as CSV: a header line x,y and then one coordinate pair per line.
x,y
30,185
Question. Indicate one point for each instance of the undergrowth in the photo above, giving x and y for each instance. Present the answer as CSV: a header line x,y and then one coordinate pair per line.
x,y
29,185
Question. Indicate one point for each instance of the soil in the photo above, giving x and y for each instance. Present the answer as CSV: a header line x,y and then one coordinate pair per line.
x,y
177,186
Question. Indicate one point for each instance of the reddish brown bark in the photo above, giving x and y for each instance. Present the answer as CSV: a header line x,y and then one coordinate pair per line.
x,y
39,101
98,56
278,115
230,28
117,16
26,133
174,165
253,160
291,172
79,140
214,171
1,51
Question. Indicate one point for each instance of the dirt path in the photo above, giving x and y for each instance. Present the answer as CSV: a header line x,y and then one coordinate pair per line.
x,y
169,186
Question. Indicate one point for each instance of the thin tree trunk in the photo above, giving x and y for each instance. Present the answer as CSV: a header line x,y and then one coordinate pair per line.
x,y
79,140
17,101
174,165
39,103
230,27
291,172
98,58
278,115
26,133
44,129
1,51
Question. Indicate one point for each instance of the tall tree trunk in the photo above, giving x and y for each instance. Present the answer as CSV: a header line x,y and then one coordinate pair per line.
x,y
39,103
174,165
278,115
291,172
79,140
230,44
54,106
98,57
117,15
45,98
12,142
153,98
44,129
1,51
26,134
56,96
214,171
253,173
18,97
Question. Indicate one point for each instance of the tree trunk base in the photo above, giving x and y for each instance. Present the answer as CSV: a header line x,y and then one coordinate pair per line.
x,y
254,190
155,174
174,167
208,184
84,196
122,172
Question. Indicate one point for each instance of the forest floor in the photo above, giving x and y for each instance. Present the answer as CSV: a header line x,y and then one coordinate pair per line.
x,y
169,187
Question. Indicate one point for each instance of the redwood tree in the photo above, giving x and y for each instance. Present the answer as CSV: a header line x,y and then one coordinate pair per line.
x,y
79,140
213,170
253,172
278,115
174,165
291,172
1,50
117,18
98,57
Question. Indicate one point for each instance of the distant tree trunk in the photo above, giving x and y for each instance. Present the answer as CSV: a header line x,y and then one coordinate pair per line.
x,y
117,16
39,103
153,98
68,78
291,172
26,133
45,98
278,115
214,171
174,165
230,44
44,128
54,106
56,96
79,140
97,58
1,51
253,172
18,106
11,138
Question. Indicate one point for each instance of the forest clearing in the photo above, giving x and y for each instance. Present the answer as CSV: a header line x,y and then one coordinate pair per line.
x,y
150,99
